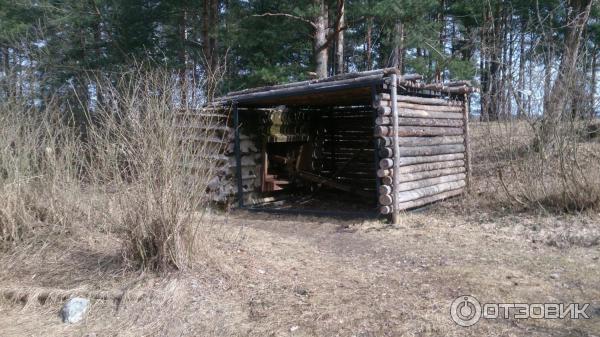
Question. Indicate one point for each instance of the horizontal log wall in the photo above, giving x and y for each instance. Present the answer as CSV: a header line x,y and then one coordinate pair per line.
x,y
432,150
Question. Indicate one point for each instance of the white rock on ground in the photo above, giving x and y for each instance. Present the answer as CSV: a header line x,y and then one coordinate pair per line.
x,y
74,310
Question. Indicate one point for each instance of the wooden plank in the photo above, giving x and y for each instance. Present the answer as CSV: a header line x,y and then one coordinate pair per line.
x,y
408,121
417,100
422,141
418,131
440,108
396,145
423,167
413,151
448,107
404,177
387,179
332,183
387,199
467,142
389,163
423,201
418,113
412,185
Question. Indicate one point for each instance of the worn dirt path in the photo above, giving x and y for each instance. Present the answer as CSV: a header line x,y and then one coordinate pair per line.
x,y
307,276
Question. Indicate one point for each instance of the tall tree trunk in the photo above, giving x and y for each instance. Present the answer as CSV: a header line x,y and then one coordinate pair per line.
x,y
530,82
398,61
339,48
509,89
214,41
496,64
561,92
182,55
210,26
320,39
548,60
593,83
442,21
576,23
483,70
521,93
6,69
369,43
491,62
5,61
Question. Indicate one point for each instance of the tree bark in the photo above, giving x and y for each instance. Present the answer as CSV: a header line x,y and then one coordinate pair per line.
x,y
398,61
214,41
182,55
339,49
5,62
442,21
369,43
576,23
6,70
593,83
521,95
210,22
320,39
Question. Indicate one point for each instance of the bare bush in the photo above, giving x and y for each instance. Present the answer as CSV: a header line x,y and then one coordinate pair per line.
x,y
39,164
134,171
154,172
513,172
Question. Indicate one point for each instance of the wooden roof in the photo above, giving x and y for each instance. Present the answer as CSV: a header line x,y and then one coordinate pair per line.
x,y
345,89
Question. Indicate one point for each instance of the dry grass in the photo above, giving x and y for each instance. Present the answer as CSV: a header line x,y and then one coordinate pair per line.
x,y
39,165
129,172
510,171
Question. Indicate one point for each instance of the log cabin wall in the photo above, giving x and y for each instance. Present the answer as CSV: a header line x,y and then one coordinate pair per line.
x,y
432,159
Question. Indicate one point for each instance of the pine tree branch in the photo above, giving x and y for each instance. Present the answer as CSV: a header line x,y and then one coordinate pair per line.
x,y
295,17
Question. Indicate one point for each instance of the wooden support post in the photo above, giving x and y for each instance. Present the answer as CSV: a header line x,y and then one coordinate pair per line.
x,y
238,155
396,126
467,142
375,142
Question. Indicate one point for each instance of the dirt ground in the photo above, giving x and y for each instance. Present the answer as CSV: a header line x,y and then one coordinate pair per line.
x,y
271,275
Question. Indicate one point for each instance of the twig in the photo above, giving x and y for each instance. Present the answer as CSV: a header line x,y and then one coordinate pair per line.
x,y
295,17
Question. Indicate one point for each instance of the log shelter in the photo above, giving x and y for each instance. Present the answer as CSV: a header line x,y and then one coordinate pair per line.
x,y
386,138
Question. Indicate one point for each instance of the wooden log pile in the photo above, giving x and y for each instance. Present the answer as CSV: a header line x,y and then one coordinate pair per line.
x,y
431,151
413,83
210,128
286,125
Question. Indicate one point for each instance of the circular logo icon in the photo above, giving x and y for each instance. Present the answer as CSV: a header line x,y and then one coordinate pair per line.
x,y
465,311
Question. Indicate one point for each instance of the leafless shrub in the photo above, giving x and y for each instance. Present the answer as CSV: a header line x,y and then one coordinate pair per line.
x,y
539,161
138,169
39,165
154,171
